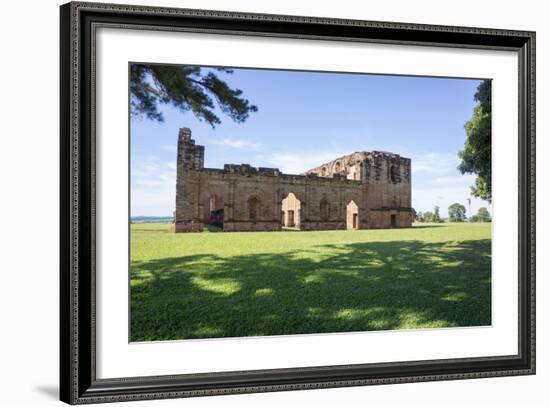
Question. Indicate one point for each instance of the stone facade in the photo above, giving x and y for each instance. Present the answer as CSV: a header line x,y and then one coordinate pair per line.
x,y
358,191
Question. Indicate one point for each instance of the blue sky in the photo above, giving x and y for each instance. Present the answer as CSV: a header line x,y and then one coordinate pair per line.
x,y
307,118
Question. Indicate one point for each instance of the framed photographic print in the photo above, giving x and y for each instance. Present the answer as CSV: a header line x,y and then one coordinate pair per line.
x,y
255,203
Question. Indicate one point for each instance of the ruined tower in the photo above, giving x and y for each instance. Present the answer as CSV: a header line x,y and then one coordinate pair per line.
x,y
387,186
388,179
190,157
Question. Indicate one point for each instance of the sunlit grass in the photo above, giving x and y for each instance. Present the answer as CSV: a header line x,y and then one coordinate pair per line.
x,y
211,284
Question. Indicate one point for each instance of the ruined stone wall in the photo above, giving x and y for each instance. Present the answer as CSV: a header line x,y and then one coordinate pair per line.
x,y
382,218
358,191
387,178
256,201
348,166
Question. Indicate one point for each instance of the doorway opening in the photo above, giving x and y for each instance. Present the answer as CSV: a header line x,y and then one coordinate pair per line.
x,y
291,212
352,216
213,212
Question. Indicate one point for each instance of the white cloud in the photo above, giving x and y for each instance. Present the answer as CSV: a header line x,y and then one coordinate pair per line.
x,y
296,163
237,143
433,162
437,181
466,179
153,186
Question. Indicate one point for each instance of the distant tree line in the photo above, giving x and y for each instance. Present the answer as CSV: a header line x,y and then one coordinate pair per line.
x,y
457,213
429,217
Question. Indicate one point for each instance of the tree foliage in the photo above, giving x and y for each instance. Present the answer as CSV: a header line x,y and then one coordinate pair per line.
x,y
436,217
187,88
457,212
476,155
428,216
431,217
482,215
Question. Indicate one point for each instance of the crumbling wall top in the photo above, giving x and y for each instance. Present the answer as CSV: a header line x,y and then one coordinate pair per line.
x,y
185,134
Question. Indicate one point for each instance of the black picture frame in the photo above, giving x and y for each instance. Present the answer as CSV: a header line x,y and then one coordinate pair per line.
x,y
78,382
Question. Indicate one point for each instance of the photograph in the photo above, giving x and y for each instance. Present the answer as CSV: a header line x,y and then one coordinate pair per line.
x,y
288,202
257,201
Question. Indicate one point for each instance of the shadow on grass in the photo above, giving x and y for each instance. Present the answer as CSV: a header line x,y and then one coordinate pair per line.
x,y
330,288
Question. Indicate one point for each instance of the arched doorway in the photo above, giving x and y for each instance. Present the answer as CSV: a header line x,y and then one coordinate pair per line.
x,y
291,212
352,216
214,210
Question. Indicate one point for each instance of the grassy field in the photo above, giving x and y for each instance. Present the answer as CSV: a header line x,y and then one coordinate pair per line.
x,y
203,285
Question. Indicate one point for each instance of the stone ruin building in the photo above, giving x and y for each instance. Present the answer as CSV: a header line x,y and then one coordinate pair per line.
x,y
362,190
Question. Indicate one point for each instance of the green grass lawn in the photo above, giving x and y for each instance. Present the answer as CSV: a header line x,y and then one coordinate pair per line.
x,y
203,285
